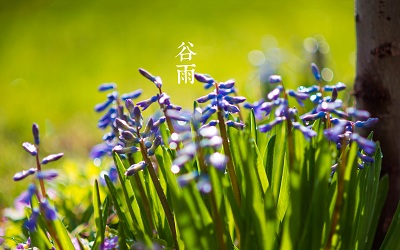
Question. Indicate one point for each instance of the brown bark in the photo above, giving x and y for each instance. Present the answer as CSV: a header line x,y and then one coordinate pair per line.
x,y
377,89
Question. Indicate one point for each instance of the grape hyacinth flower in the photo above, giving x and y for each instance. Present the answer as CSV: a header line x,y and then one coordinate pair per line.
x,y
222,104
114,110
162,98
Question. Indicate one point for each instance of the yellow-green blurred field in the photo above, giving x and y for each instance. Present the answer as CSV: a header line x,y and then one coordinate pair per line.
x,y
54,54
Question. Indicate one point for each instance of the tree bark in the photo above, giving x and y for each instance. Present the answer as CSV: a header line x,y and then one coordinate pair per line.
x,y
377,89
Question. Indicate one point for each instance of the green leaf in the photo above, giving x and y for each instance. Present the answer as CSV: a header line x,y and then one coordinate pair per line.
x,y
391,240
100,229
130,199
128,227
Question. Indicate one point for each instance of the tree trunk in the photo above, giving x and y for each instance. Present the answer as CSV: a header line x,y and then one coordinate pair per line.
x,y
377,89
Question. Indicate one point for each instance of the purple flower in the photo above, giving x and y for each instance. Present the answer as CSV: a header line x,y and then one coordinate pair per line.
x,y
131,95
340,113
226,85
313,117
107,86
218,160
274,94
100,150
204,78
125,150
175,115
274,79
308,133
157,142
358,114
47,175
164,99
267,127
329,106
23,174
300,97
365,158
230,108
236,125
282,108
315,71
26,196
30,148
31,222
214,142
110,99
333,134
366,124
339,86
123,125
133,169
146,103
204,184
308,90
185,179
235,99
112,173
109,243
206,115
35,132
52,157
366,145
49,212
155,79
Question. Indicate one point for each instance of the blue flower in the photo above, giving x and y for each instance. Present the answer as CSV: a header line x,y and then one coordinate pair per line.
x,y
49,212
274,79
185,179
358,114
366,145
300,96
131,95
109,243
366,124
267,127
26,196
315,71
30,148
35,132
23,174
155,79
52,157
107,86
133,169
31,222
308,133
275,93
46,175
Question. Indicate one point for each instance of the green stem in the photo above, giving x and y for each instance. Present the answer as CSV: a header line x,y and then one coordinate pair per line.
x,y
227,151
214,208
160,193
39,168
143,195
339,199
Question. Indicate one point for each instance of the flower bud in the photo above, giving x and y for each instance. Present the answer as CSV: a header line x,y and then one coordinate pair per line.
x,y
131,95
30,148
135,168
35,132
53,157
107,86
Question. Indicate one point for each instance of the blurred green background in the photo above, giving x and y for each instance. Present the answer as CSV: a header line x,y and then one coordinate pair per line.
x,y
54,54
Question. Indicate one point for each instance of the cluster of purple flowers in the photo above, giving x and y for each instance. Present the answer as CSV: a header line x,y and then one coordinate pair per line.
x,y
340,124
205,138
220,100
25,198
